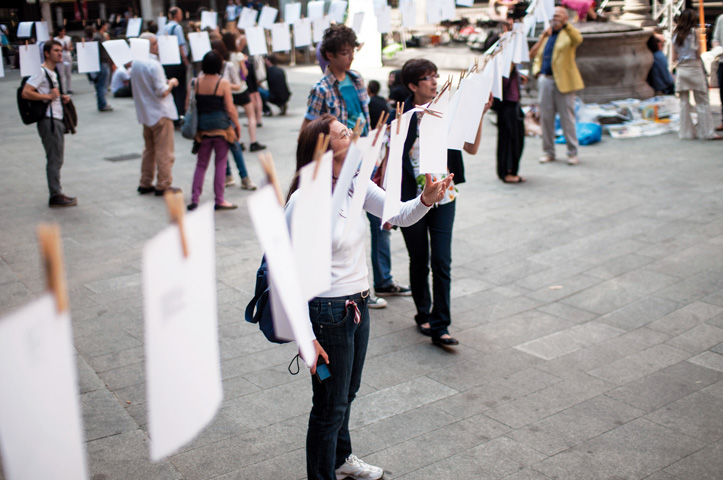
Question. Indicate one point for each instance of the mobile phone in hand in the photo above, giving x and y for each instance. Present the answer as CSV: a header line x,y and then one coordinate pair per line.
x,y
322,370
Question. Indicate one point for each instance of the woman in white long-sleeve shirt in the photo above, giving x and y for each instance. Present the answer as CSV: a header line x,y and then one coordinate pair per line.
x,y
340,318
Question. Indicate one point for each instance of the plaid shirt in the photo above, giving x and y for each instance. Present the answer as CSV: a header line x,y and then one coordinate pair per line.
x,y
325,97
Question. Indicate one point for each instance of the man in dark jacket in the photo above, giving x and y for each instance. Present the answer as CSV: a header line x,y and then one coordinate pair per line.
x,y
278,92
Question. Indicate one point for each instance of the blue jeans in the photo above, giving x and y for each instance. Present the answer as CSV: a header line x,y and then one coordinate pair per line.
x,y
328,442
433,232
381,254
101,85
239,159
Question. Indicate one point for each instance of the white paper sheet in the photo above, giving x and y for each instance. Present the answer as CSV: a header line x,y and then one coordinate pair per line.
x,y
25,29
162,24
481,93
88,57
384,19
409,13
434,11
119,52
2,69
433,139
362,180
231,13
541,14
209,19
247,19
379,4
41,32
140,48
393,173
320,25
168,52
256,39
549,7
29,60
529,22
287,301
268,17
134,27
41,435
280,37
448,9
183,369
200,45
465,3
508,49
314,10
292,13
302,32
311,228
357,22
337,10
344,181
496,69
522,52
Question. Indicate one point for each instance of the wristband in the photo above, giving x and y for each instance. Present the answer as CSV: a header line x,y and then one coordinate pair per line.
x,y
421,199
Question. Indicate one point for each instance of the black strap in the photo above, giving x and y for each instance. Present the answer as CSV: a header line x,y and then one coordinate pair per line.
x,y
215,89
50,103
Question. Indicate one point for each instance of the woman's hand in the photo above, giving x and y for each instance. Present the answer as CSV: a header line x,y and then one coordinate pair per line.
x,y
237,129
434,191
319,353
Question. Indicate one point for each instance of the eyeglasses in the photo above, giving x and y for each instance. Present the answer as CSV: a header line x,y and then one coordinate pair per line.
x,y
346,133
430,77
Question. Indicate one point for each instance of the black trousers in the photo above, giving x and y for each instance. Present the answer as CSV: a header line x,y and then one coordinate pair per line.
x,y
179,93
510,138
720,84
429,243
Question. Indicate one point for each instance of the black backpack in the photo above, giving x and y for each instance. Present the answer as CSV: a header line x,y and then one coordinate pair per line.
x,y
31,111
259,308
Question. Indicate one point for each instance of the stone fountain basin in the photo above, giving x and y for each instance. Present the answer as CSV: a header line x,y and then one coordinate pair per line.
x,y
614,62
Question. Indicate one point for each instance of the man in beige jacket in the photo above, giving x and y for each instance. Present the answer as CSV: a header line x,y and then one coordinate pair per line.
x,y
557,80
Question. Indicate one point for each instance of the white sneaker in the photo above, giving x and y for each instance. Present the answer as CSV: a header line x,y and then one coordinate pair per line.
x,y
546,159
572,160
376,302
247,184
230,181
357,469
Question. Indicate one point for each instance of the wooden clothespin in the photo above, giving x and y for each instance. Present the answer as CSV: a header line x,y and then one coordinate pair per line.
x,y
98,22
84,23
26,45
267,163
176,210
433,113
382,121
358,128
51,252
441,92
187,15
65,22
83,39
399,116
322,144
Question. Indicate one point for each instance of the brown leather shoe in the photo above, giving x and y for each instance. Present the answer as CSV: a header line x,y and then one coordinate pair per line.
x,y
62,201
719,128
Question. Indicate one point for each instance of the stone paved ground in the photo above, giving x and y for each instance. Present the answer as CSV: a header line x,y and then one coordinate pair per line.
x,y
588,303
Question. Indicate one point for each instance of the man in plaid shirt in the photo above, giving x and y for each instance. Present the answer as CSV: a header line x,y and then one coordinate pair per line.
x,y
341,92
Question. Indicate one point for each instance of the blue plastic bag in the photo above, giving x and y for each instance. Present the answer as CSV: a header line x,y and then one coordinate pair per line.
x,y
587,134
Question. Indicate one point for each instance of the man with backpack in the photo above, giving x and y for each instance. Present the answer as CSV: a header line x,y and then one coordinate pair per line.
x,y
45,87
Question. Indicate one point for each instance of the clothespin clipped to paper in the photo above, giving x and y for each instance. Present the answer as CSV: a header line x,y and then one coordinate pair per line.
x,y
267,163
446,85
357,129
399,116
187,15
65,22
428,111
382,121
322,144
51,251
176,210
26,45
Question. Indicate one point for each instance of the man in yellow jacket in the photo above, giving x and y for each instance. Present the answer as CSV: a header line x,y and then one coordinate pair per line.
x,y
557,80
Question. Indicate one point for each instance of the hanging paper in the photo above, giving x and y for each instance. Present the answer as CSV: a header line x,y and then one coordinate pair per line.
x,y
409,13
320,25
280,37
247,18
256,39
200,45
41,32
88,57
314,10
140,48
357,22
433,138
29,60
384,19
119,52
268,17
209,19
134,27
168,52
302,32
337,11
292,13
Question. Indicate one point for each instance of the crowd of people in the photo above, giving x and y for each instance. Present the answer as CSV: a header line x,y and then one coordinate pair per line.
x,y
226,78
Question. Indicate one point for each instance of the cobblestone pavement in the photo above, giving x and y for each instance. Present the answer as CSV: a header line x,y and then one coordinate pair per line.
x,y
588,303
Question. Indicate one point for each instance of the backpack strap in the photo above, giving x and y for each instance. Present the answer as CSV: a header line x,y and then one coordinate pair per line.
x,y
50,103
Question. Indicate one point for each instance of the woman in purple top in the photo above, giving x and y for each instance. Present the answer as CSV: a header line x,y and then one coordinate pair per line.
x,y
510,128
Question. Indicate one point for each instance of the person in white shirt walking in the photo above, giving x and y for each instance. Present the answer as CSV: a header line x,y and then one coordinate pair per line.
x,y
65,68
44,87
156,111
